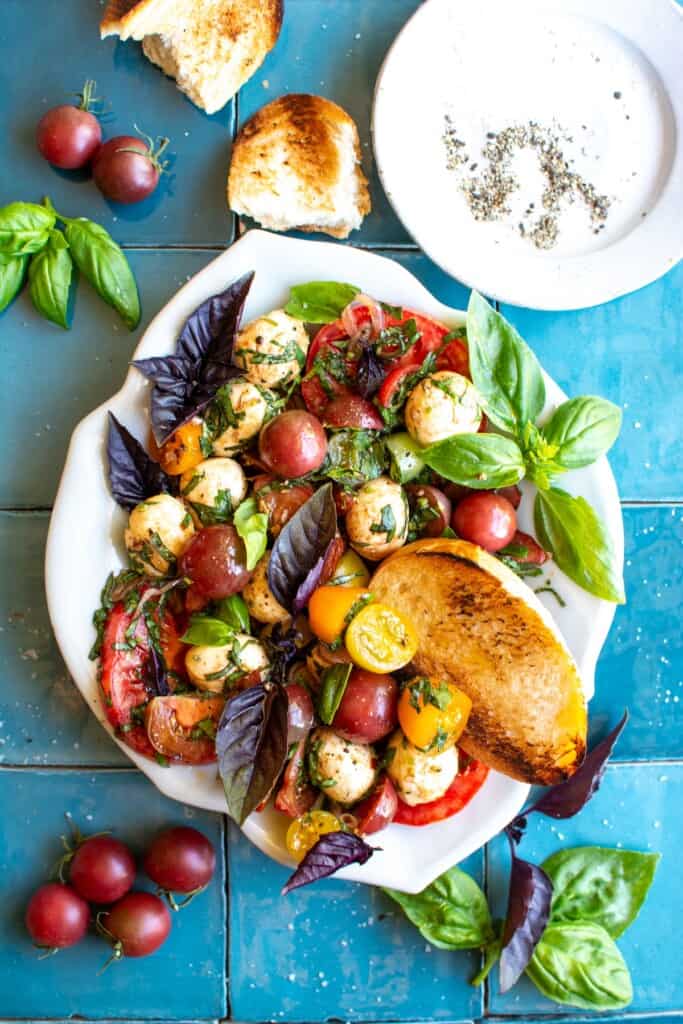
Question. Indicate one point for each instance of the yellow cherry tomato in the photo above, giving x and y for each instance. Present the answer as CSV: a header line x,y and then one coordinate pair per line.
x,y
433,714
380,639
304,832
183,450
351,571
329,610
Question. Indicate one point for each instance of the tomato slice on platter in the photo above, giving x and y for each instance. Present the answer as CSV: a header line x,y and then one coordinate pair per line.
x,y
179,727
393,381
325,363
465,785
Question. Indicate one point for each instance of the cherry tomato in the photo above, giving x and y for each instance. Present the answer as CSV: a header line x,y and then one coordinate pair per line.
x,y
280,501
306,830
352,411
430,510
368,709
293,444
486,519
513,495
377,810
180,859
351,571
465,785
56,916
431,711
327,360
102,870
329,608
127,169
174,730
300,713
182,451
216,562
389,391
139,923
535,555
432,334
296,795
381,639
68,136
455,357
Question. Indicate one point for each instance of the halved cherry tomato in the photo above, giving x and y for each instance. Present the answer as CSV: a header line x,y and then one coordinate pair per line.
x,y
393,381
381,639
351,571
279,501
305,831
328,610
296,795
535,554
352,411
429,710
377,811
455,357
432,334
320,387
173,727
182,451
465,785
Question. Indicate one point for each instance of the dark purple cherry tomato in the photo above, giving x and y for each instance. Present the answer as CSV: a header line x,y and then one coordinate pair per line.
x,y
369,708
56,916
486,519
300,713
279,501
180,860
430,509
102,870
68,136
139,923
216,562
512,493
293,444
352,411
377,810
127,169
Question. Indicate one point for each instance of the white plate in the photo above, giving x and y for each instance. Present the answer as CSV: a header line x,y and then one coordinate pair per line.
x,y
489,64
86,532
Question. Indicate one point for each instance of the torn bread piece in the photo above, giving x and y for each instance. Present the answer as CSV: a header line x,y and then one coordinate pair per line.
x,y
135,19
297,164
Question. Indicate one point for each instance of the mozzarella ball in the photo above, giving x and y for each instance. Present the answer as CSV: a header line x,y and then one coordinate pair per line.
x,y
159,530
345,771
419,777
248,408
272,349
214,488
260,599
377,522
215,668
441,405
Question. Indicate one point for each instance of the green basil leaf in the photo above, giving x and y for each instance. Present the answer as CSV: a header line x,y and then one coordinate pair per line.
x,y
12,274
103,263
205,631
333,685
234,612
252,526
574,533
451,913
482,461
320,302
598,884
24,228
49,279
583,429
504,370
577,963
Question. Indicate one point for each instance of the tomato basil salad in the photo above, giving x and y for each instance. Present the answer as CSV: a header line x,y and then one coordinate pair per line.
x,y
288,456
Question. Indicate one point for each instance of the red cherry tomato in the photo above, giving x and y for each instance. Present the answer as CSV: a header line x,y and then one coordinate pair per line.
x,y
368,711
430,509
389,390
377,810
279,501
56,916
173,727
535,554
127,169
180,860
513,495
102,870
352,411
326,361
296,795
300,712
455,357
68,136
139,923
486,519
293,444
465,785
216,562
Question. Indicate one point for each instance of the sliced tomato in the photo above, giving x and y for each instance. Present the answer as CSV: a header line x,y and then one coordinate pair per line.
x,y
172,727
393,381
455,357
535,553
315,394
466,784
378,810
296,795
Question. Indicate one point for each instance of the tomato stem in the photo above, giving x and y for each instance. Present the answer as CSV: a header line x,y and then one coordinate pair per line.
x,y
87,96
173,903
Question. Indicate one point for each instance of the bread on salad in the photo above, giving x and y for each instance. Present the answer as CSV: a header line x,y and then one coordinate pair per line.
x,y
297,164
481,628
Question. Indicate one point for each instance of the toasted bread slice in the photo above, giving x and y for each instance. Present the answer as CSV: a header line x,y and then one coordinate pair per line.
x,y
216,47
297,164
134,19
483,629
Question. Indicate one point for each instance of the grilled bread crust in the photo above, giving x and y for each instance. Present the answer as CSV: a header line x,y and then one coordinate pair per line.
x,y
134,19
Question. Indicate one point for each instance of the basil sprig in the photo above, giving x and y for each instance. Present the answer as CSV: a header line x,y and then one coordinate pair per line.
x,y
482,461
24,228
320,302
451,913
578,964
49,277
103,264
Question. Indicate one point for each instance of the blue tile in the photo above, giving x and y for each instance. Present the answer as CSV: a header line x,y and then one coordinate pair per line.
x,y
63,47
631,351
334,950
335,50
638,806
58,376
185,979
43,719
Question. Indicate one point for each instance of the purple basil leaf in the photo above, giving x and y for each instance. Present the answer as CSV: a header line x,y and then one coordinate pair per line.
x,y
301,546
251,746
281,645
568,798
332,851
208,332
157,680
531,893
371,373
312,580
133,476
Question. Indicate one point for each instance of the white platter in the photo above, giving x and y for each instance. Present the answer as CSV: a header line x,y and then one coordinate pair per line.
x,y
610,75
86,532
